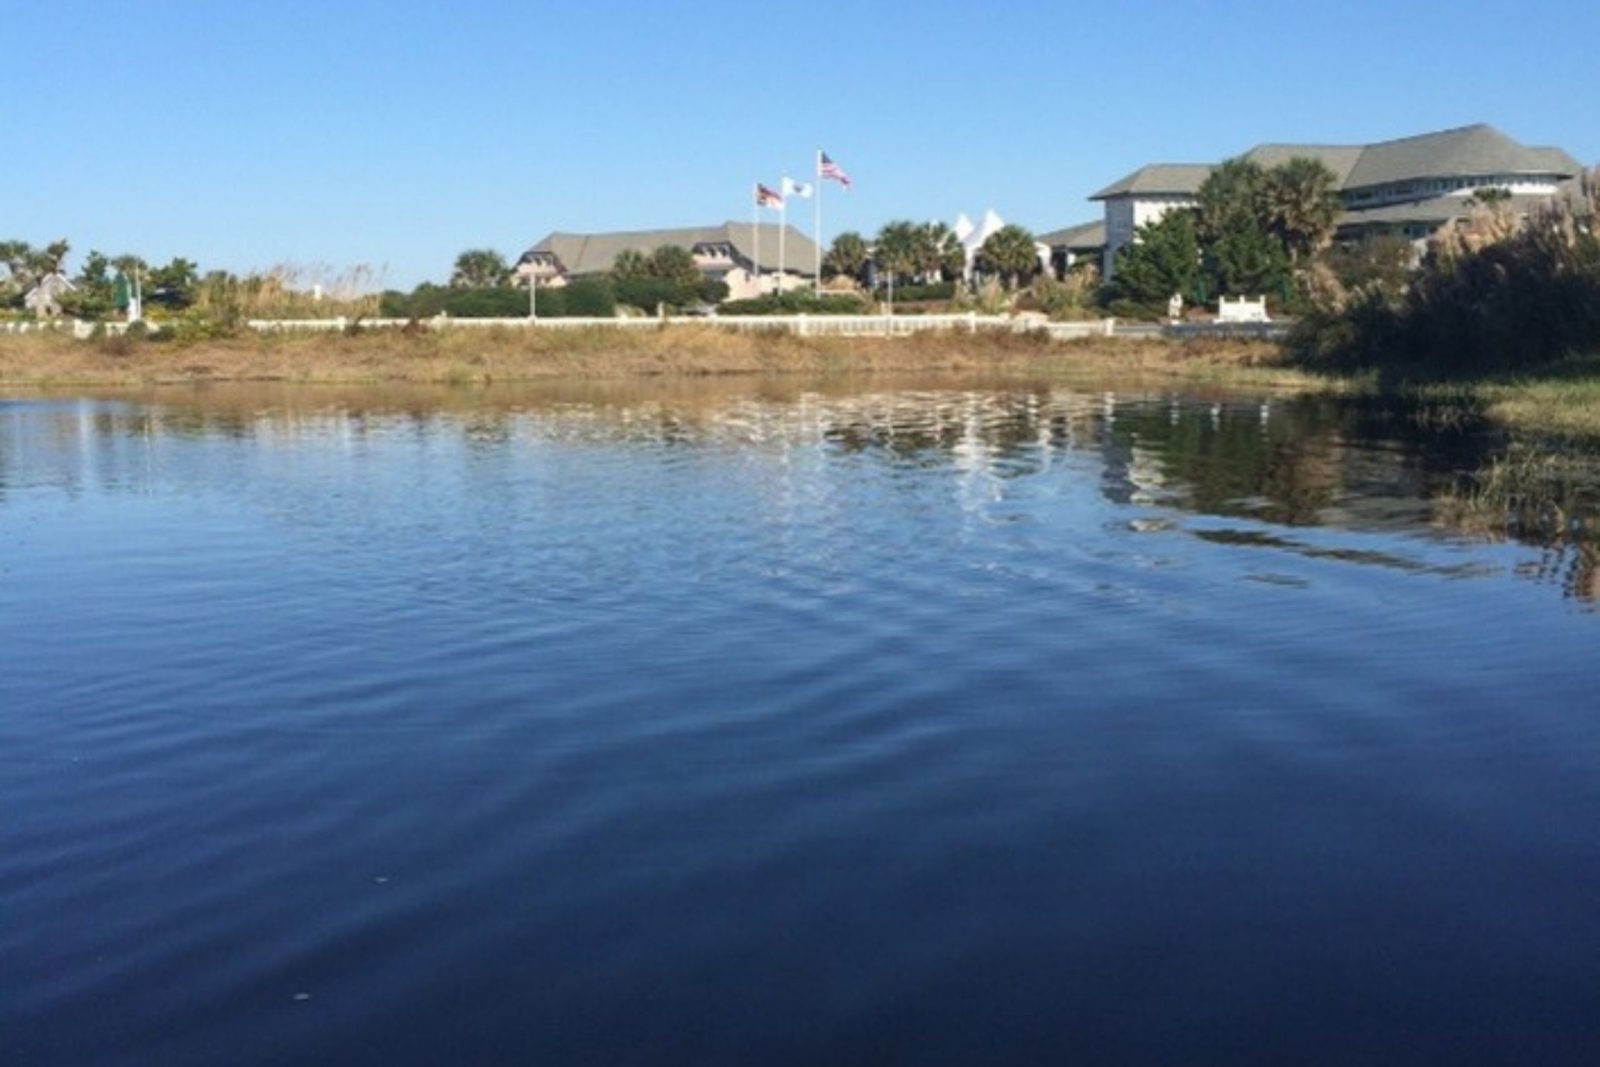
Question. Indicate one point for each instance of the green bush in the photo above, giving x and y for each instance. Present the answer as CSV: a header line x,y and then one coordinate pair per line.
x,y
583,298
1480,304
911,294
796,302
647,293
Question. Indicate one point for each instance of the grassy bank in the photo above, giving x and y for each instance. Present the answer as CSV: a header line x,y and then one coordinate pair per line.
x,y
1563,399
477,356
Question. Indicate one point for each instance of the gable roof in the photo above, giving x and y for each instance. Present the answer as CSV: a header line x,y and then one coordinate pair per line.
x,y
1083,236
595,253
1477,150
1466,150
1339,158
1157,179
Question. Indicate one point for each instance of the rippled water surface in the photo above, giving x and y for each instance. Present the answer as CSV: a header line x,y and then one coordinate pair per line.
x,y
765,723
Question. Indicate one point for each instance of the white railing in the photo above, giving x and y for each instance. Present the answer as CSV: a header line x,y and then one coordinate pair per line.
x,y
798,325
1242,310
77,327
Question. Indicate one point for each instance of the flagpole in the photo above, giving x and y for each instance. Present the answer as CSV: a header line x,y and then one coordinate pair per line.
x,y
755,226
816,230
783,230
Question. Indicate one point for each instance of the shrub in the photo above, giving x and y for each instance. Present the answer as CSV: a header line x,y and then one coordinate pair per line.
x,y
914,293
647,293
584,298
796,302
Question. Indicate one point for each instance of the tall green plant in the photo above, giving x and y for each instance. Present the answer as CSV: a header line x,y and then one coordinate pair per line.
x,y
1163,259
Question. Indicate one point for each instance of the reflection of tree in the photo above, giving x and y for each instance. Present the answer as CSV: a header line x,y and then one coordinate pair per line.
x,y
1288,461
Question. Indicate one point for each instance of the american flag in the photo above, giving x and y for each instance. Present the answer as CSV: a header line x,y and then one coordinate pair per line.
x,y
827,168
766,197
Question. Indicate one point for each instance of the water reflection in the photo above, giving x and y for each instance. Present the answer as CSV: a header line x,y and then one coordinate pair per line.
x,y
1277,461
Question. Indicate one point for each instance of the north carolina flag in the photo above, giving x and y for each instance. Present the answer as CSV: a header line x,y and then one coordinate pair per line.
x,y
767,198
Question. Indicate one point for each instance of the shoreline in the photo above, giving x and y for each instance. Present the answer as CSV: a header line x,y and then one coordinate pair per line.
x,y
1563,401
506,355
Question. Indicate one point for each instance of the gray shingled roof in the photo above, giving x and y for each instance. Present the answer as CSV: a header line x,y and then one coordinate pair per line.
x,y
1467,150
1173,179
1436,210
1082,237
1462,152
1341,159
594,253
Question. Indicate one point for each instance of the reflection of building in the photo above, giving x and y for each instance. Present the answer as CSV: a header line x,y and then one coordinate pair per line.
x,y
725,253
1407,187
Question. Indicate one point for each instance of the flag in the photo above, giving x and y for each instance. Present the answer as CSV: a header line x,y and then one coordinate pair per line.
x,y
767,198
798,190
827,168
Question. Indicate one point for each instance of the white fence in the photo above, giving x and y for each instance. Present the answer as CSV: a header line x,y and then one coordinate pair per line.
x,y
799,325
1242,310
77,327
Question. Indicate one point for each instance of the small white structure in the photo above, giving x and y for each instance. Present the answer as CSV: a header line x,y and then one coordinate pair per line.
x,y
972,239
43,300
1242,310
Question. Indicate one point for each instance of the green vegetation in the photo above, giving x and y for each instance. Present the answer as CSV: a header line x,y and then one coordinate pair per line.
x,y
480,268
1255,231
797,302
1492,296
847,258
1163,259
1010,253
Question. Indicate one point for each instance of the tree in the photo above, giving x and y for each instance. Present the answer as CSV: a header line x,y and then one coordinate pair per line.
x,y
895,251
847,258
938,252
1301,201
173,285
1163,259
1011,253
1229,198
675,264
630,263
480,268
1247,259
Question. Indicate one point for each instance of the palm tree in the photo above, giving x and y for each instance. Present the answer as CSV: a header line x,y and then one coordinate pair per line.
x,y
1011,253
938,252
1302,205
631,263
480,268
1230,198
895,251
847,258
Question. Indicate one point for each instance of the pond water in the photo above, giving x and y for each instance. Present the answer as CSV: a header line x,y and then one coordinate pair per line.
x,y
755,722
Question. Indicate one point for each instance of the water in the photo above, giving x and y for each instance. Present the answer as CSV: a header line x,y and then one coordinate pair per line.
x,y
752,722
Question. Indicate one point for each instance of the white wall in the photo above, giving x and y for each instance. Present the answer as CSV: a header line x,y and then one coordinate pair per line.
x,y
1124,216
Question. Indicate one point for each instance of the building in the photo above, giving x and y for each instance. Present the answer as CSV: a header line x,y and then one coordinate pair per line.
x,y
44,299
1085,242
726,253
1407,187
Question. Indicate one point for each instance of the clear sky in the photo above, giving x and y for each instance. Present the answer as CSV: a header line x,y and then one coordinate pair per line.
x,y
396,133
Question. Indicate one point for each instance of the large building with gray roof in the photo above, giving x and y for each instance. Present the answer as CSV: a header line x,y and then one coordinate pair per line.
x,y
741,254
1407,187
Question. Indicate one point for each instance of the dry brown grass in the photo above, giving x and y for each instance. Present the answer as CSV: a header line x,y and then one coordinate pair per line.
x,y
483,355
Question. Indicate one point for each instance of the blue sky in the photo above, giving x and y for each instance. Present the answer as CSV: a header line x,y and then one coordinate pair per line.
x,y
396,134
